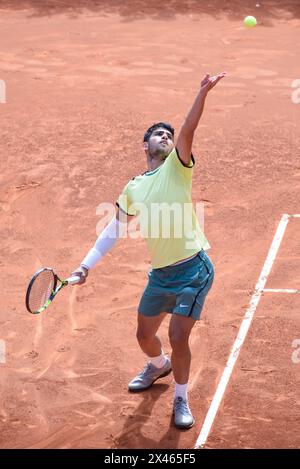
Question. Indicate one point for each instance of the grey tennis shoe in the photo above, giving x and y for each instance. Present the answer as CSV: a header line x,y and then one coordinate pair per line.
x,y
150,373
182,414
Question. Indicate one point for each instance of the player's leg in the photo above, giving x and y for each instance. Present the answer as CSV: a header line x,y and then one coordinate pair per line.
x,y
197,279
146,334
159,364
179,331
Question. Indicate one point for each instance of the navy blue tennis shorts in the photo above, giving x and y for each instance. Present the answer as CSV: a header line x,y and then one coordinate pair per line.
x,y
179,289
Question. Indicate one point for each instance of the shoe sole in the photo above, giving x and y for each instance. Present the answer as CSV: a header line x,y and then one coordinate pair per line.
x,y
166,373
184,427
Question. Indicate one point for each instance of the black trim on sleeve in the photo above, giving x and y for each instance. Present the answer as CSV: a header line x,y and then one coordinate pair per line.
x,y
129,214
182,162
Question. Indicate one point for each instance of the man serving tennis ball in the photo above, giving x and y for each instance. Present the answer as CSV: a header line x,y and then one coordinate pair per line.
x,y
182,273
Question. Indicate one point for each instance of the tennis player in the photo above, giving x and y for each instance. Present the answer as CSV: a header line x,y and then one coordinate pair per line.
x,y
182,272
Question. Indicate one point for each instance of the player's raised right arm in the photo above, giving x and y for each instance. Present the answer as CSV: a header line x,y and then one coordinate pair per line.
x,y
190,124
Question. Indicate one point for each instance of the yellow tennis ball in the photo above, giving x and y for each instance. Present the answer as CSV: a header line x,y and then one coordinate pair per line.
x,y
250,21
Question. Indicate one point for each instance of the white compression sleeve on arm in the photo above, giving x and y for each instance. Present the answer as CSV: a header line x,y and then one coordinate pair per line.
x,y
106,240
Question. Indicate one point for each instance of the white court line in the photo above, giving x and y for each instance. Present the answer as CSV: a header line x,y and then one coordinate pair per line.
x,y
2,351
214,406
280,290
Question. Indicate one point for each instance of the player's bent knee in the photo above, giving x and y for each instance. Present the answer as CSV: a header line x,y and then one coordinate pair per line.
x,y
143,336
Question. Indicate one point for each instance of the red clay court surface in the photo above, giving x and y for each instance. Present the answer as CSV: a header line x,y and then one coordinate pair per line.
x,y
82,85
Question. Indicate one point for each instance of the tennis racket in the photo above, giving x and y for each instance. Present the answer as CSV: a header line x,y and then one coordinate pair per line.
x,y
43,287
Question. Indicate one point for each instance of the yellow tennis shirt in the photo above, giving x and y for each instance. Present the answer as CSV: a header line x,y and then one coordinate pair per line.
x,y
162,201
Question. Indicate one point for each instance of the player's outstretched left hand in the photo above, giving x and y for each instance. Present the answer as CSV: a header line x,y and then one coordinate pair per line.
x,y
209,82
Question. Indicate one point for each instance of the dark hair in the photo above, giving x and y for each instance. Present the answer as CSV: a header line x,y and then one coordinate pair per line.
x,y
153,127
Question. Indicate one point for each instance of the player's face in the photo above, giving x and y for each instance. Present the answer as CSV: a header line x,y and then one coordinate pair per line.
x,y
161,143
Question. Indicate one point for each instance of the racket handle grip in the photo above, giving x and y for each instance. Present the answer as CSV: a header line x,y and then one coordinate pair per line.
x,y
73,280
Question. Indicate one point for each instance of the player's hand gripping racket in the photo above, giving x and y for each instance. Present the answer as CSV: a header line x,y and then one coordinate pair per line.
x,y
43,287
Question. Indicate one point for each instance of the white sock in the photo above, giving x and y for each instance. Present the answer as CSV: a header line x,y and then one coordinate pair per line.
x,y
181,390
159,361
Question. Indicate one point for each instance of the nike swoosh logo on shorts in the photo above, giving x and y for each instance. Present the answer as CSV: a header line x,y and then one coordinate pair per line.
x,y
183,306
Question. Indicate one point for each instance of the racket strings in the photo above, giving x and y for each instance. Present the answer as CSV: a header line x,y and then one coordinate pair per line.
x,y
41,290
